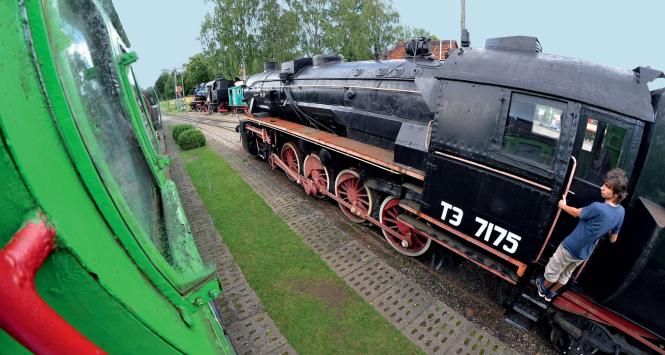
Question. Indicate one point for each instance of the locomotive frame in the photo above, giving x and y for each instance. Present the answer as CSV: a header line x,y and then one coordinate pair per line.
x,y
306,123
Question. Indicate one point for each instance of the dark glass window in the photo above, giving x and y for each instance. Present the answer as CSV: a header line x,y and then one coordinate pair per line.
x,y
532,129
601,148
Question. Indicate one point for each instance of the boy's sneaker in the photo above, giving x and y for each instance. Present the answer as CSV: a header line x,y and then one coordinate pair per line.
x,y
542,291
550,294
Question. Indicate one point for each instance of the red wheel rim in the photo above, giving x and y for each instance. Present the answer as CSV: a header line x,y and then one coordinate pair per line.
x,y
314,169
388,217
291,158
350,189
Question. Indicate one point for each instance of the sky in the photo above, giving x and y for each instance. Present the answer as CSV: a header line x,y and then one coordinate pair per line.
x,y
622,34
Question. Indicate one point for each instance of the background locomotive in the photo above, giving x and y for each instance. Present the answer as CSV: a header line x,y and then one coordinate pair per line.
x,y
473,154
95,249
217,99
200,94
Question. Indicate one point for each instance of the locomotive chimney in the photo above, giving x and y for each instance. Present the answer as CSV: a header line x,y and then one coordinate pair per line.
x,y
465,41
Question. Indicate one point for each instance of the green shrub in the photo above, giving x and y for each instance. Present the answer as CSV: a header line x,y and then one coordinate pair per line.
x,y
190,139
179,129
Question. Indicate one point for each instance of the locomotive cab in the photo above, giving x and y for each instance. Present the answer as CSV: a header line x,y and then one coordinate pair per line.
x,y
517,151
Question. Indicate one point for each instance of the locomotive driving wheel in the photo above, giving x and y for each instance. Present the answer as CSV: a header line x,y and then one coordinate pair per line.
x,y
412,244
314,169
349,188
292,157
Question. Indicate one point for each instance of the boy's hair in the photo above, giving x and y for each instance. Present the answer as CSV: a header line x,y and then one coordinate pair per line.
x,y
616,180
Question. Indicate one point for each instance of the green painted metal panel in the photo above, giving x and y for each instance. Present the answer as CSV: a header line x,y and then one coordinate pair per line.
x,y
104,277
236,96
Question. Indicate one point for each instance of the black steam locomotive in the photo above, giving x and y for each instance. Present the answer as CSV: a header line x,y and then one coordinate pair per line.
x,y
217,95
200,94
473,153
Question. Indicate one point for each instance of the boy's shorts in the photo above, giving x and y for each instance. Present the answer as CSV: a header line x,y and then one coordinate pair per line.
x,y
561,266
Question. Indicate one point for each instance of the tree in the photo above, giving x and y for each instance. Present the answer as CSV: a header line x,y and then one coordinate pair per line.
x,y
228,36
362,29
240,34
408,33
160,85
345,31
382,25
169,87
315,17
278,36
196,72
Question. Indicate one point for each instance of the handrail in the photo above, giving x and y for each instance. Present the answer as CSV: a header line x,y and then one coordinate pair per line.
x,y
558,211
23,313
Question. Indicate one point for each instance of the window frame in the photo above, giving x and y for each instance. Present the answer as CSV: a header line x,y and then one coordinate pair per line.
x,y
634,129
180,288
564,132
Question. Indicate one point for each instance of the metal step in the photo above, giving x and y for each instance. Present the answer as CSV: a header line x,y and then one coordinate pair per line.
x,y
411,204
535,299
527,310
517,320
472,253
413,187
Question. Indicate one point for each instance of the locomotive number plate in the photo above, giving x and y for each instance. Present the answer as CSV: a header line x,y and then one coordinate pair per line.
x,y
486,231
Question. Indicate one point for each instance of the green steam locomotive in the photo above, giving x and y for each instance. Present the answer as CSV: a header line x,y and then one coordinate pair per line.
x,y
96,254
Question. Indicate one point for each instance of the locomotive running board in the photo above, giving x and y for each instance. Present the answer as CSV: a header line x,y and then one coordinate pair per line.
x,y
481,259
378,157
521,267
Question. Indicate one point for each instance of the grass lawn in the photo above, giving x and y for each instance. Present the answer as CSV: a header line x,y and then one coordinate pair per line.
x,y
170,105
315,310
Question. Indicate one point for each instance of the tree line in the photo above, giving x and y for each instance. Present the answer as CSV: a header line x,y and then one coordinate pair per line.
x,y
237,36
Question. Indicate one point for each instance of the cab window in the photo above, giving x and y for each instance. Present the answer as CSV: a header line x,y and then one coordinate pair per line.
x,y
601,147
79,39
533,129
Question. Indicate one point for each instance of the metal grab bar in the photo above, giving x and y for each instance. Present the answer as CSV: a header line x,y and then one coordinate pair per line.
x,y
23,313
558,211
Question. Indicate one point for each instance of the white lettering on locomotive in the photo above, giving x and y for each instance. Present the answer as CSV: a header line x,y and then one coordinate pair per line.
x,y
456,218
510,240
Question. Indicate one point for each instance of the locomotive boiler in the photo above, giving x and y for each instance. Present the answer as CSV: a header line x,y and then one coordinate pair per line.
x,y
473,153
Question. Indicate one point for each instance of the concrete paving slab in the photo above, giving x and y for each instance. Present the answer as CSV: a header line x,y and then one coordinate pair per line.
x,y
437,329
403,302
255,335
372,279
327,239
239,303
347,258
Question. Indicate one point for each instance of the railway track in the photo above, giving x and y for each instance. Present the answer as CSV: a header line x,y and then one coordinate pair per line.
x,y
226,124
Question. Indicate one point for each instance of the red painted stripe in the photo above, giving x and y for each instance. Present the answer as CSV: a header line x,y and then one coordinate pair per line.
x,y
575,303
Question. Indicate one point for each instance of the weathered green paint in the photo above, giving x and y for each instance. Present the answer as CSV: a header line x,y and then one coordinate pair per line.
x,y
236,96
105,277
